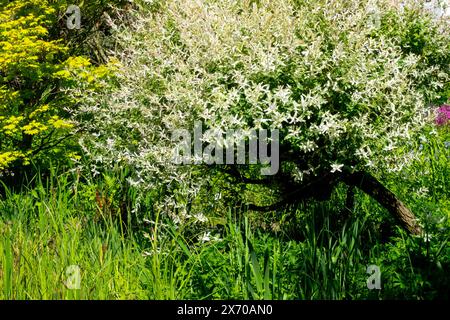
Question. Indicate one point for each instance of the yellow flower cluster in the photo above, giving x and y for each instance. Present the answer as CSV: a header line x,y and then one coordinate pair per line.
x,y
31,58
7,157
39,110
34,128
11,124
59,123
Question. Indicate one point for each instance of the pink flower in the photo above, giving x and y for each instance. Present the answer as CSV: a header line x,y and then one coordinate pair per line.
x,y
443,115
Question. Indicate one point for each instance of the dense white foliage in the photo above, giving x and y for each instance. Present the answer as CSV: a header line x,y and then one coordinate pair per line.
x,y
331,75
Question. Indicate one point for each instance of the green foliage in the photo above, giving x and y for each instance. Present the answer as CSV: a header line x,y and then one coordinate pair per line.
x,y
98,22
205,244
421,37
59,222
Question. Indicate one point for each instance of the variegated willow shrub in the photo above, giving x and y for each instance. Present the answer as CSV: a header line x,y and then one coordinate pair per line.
x,y
36,66
348,83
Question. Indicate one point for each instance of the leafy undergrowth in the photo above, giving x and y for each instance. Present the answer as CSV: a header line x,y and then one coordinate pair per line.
x,y
49,228
67,223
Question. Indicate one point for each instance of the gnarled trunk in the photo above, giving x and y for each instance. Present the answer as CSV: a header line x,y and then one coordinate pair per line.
x,y
370,185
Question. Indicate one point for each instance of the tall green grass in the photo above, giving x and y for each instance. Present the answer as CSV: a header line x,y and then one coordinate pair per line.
x,y
45,230
317,252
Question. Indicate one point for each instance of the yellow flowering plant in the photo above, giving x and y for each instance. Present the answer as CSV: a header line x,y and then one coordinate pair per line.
x,y
35,70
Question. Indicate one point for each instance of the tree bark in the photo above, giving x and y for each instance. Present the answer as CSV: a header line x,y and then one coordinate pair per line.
x,y
370,185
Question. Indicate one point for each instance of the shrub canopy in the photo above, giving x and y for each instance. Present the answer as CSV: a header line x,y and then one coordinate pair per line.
x,y
348,83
